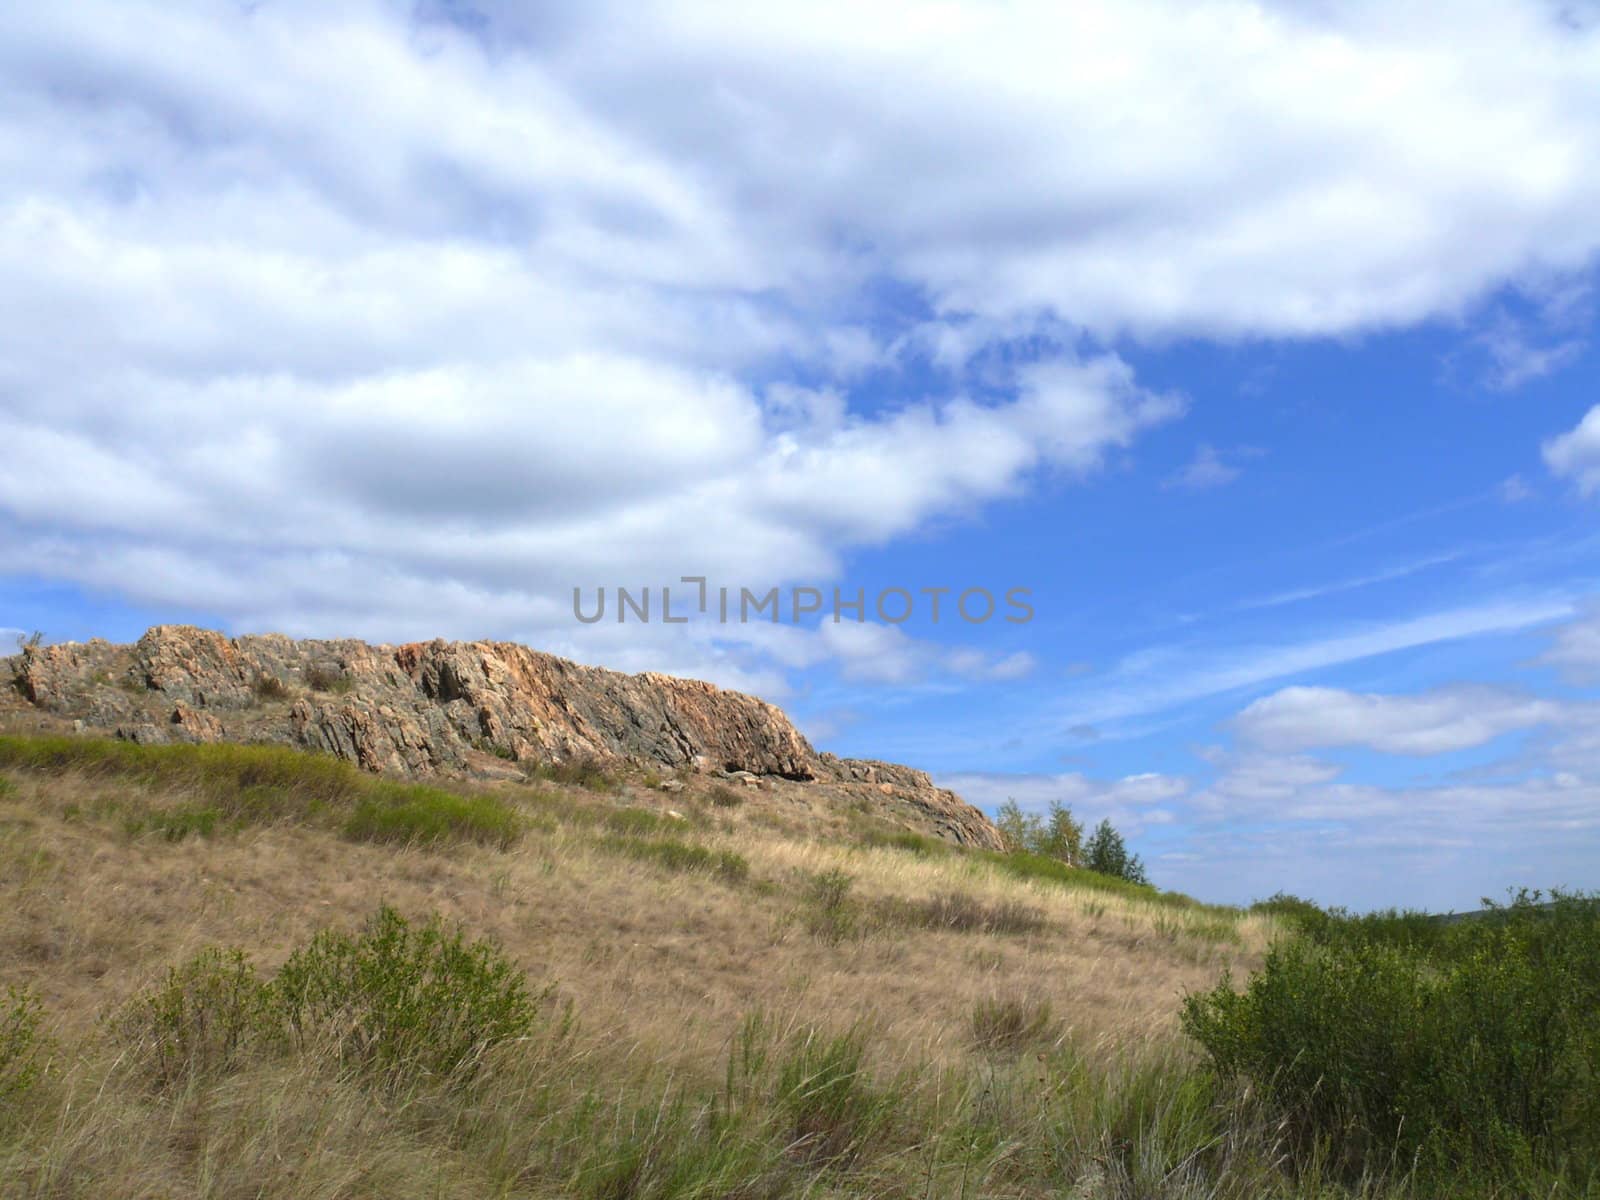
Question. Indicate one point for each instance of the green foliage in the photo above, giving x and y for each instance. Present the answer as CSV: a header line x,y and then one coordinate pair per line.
x,y
1010,1024
828,911
7,787
21,1046
1397,1039
400,999
1057,835
200,1018
1107,854
392,812
670,854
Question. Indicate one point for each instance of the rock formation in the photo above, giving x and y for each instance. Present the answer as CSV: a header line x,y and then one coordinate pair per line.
x,y
461,709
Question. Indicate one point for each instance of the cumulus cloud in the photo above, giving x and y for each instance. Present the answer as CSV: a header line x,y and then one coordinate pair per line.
x,y
1436,722
1575,455
400,321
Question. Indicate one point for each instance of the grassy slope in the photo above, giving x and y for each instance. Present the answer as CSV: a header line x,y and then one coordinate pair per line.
x,y
1017,1033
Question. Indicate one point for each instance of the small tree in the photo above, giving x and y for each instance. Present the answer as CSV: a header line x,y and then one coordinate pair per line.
x,y
1108,854
1057,835
1018,830
1062,836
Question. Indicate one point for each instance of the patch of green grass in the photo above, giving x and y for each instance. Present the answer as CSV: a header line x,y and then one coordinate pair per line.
x,y
1041,868
21,1045
7,788
175,824
670,854
254,785
903,839
416,813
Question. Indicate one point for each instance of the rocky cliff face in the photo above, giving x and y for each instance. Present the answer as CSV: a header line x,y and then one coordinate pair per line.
x,y
453,708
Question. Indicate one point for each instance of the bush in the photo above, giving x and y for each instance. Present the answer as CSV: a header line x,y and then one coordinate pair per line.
x,y
724,796
1475,1043
581,770
320,678
1007,1025
200,1018
20,1043
269,688
7,788
400,999
829,912
392,812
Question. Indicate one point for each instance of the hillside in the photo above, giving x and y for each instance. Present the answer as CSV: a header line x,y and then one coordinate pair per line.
x,y
699,948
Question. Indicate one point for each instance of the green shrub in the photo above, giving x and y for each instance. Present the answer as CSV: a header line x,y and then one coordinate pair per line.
x,y
829,912
1390,1040
200,1018
392,812
904,839
1009,1024
20,1043
400,999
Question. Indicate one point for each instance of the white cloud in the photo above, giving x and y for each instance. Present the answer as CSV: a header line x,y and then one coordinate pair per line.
x,y
1576,645
1575,455
353,322
1436,722
1131,803
1205,470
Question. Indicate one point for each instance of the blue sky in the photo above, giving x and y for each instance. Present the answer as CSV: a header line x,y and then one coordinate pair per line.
x,y
1256,341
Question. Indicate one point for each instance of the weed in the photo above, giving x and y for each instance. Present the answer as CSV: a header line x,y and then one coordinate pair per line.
x,y
268,688
332,680
673,855
724,796
1010,1024
829,912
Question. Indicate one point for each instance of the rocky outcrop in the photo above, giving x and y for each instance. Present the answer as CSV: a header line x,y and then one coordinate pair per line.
x,y
451,708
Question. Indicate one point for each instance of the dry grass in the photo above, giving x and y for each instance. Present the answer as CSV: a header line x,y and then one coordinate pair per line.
x,y
660,969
